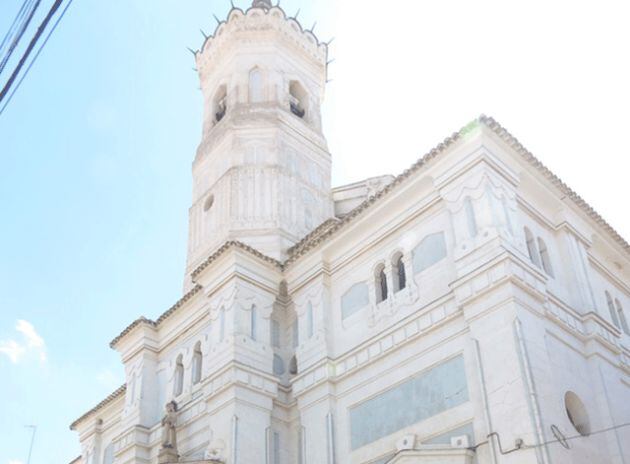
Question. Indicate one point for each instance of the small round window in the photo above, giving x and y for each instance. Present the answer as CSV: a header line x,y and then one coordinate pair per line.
x,y
208,204
577,413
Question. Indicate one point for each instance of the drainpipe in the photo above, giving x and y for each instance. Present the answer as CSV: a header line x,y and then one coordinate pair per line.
x,y
267,441
303,444
234,439
484,396
331,438
612,422
532,396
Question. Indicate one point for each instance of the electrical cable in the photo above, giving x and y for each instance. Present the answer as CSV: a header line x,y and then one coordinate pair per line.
x,y
566,439
35,57
20,33
13,26
562,440
29,49
18,19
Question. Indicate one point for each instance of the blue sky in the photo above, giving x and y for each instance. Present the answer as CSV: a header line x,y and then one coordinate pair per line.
x,y
97,145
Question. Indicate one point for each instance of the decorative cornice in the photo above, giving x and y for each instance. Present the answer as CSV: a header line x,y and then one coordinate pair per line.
x,y
330,227
312,240
268,11
320,230
144,321
112,397
513,142
234,244
197,288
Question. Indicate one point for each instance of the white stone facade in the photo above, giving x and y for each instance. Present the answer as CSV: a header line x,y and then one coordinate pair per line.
x,y
471,310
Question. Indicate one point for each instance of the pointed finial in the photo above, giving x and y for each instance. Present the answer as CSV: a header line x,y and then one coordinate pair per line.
x,y
266,4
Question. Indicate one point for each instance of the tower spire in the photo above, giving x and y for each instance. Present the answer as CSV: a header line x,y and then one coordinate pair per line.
x,y
262,4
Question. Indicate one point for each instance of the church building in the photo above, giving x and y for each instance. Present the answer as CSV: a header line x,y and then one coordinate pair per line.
x,y
472,310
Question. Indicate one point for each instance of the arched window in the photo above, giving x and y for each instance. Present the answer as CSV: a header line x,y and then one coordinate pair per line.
x,y
298,99
470,217
208,203
108,454
506,212
308,218
296,332
178,384
531,247
544,257
275,333
197,364
256,86
310,325
380,284
398,273
222,325
613,312
293,367
219,104
308,202
278,365
622,318
253,322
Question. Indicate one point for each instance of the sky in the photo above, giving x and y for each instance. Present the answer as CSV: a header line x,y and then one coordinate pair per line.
x,y
97,145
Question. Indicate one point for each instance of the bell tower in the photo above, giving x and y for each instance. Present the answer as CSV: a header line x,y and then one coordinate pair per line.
x,y
262,170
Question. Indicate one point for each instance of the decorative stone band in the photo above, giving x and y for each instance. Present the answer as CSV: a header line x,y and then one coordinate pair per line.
x,y
438,314
328,229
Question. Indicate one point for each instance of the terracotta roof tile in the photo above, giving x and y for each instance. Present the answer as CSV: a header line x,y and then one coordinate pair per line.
x,y
234,244
512,141
312,240
115,395
165,315
330,227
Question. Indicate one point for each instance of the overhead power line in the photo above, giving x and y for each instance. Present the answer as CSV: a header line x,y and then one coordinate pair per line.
x,y
31,46
40,30
14,26
25,15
